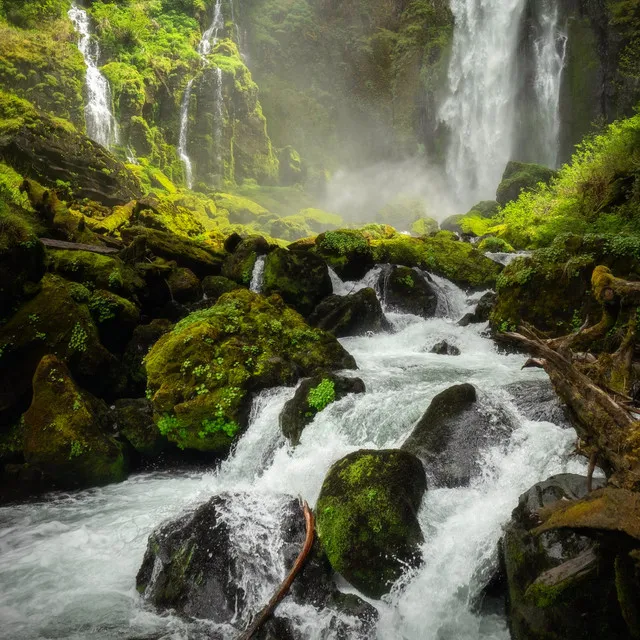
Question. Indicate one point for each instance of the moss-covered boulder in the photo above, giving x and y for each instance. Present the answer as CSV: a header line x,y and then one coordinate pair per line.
x,y
312,396
366,517
348,252
451,434
485,208
56,320
441,254
355,314
52,151
482,311
184,285
239,265
133,418
65,431
115,317
521,175
491,244
215,286
452,223
424,226
201,374
561,584
301,278
291,167
407,291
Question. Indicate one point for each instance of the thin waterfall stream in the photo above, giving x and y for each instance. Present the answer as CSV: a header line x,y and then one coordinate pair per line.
x,y
69,561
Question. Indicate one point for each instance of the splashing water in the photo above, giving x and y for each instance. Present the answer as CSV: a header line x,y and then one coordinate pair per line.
x,y
100,122
68,564
257,276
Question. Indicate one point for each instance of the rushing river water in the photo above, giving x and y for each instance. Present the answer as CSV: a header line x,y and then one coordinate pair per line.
x,y
68,563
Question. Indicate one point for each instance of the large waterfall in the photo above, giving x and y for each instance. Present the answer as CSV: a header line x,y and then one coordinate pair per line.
x,y
207,42
100,122
482,110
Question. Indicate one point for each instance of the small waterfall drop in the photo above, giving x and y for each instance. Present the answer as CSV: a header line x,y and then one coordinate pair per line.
x,y
100,122
550,50
207,42
257,277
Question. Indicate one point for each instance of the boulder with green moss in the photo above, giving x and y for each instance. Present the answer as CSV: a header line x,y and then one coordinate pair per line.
x,y
485,209
312,396
407,291
491,244
66,432
424,226
215,286
348,252
184,285
291,167
56,320
201,374
301,278
355,314
366,517
133,418
239,265
441,254
115,317
560,584
518,176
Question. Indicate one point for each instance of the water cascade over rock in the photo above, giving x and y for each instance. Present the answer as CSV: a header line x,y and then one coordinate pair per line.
x,y
101,124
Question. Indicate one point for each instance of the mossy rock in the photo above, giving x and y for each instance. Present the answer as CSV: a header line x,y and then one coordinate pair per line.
x,y
407,291
134,421
64,431
215,286
366,517
52,151
452,223
312,396
184,285
115,317
201,374
424,226
518,176
403,212
318,220
289,228
291,170
492,244
300,278
441,254
100,271
355,314
485,209
239,265
239,210
119,216
56,320
176,214
348,252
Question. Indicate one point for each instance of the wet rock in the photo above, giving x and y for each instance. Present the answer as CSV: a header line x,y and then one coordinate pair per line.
x,y
115,317
347,251
134,422
443,348
537,400
66,431
353,315
195,566
482,310
367,517
450,435
239,265
215,286
184,285
232,241
311,397
407,291
561,584
299,277
521,175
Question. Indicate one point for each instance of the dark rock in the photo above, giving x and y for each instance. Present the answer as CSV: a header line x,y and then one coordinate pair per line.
x,y
537,400
353,315
367,517
134,422
450,435
300,278
561,585
298,413
115,317
407,291
231,243
347,251
184,285
193,567
239,265
215,286
482,310
445,349
521,175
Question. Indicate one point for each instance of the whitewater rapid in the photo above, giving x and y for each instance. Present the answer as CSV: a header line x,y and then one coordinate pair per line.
x,y
68,562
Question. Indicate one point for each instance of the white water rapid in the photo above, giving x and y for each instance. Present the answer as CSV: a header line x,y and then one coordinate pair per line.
x,y
205,46
481,112
100,122
68,563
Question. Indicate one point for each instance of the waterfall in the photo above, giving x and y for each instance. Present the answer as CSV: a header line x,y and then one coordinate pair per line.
x,y
257,277
100,122
550,49
479,111
207,42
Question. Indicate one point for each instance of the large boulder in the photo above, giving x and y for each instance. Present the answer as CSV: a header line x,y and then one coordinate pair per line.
x,y
367,517
299,277
521,175
66,431
482,311
347,251
407,291
355,314
311,397
133,418
198,565
561,584
450,435
238,267
115,317
537,400
202,373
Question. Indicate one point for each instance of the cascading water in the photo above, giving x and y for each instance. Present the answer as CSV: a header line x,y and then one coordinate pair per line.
x,y
100,122
550,50
257,276
207,42
68,564
481,111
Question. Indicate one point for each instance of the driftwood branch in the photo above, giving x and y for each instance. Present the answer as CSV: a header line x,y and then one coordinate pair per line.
x,y
76,246
264,615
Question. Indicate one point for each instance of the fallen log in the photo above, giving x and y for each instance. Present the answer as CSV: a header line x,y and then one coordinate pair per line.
x,y
268,610
77,246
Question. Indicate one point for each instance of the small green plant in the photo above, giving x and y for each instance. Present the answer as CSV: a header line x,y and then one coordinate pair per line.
x,y
322,395
216,425
576,321
115,280
103,308
77,449
78,341
407,281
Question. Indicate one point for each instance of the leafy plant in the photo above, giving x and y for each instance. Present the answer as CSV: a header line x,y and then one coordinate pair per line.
x,y
322,395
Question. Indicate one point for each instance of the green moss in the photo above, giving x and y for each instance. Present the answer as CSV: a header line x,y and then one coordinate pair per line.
x,y
424,226
321,396
494,245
